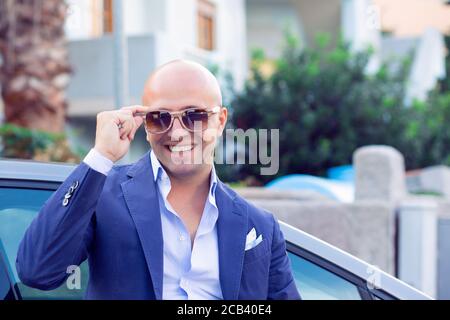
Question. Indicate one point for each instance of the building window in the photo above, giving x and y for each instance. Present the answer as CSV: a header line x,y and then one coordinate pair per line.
x,y
107,16
102,17
206,25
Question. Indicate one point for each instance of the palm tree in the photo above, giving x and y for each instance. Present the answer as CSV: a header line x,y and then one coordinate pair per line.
x,y
34,64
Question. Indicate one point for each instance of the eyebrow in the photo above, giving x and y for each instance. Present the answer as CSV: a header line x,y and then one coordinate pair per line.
x,y
182,109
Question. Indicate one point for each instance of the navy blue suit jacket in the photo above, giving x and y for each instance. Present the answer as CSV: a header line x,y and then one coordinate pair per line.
x,y
114,222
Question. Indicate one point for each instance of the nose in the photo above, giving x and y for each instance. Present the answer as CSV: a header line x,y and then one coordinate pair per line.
x,y
178,132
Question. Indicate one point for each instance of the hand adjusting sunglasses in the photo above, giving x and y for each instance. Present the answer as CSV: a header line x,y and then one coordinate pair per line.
x,y
192,119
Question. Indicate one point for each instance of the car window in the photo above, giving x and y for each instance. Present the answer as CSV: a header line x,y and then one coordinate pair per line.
x,y
6,290
4,282
18,207
316,283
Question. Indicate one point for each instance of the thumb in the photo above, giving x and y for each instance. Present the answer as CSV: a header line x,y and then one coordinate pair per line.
x,y
138,122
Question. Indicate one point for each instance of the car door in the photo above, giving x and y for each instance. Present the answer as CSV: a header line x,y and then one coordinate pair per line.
x,y
20,202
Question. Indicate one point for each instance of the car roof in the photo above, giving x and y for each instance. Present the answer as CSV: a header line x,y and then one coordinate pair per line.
x,y
34,170
58,172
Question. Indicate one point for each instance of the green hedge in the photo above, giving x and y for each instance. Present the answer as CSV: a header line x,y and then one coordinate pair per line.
x,y
326,106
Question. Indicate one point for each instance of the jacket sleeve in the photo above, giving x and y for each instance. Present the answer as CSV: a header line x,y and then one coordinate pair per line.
x,y
62,232
281,282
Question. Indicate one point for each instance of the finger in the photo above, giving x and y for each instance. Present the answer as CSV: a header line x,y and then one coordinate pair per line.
x,y
125,122
138,116
129,126
138,120
138,123
137,108
130,133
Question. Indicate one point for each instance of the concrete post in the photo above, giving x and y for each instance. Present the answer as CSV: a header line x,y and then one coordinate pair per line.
x,y
417,244
379,174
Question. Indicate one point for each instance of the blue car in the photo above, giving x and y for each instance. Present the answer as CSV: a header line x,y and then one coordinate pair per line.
x,y
321,271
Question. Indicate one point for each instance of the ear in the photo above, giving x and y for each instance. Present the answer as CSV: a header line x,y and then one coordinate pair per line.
x,y
223,117
147,134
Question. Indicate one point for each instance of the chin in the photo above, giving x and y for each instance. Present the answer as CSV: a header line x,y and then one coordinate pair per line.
x,y
183,170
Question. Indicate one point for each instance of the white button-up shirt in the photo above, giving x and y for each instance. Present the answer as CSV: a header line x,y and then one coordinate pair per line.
x,y
189,273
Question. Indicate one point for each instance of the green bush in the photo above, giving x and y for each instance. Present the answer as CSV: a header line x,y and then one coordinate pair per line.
x,y
326,105
24,143
429,133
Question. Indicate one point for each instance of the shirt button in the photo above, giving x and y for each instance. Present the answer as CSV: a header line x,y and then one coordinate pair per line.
x,y
182,238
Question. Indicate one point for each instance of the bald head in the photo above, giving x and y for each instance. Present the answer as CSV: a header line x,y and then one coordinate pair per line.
x,y
182,80
174,87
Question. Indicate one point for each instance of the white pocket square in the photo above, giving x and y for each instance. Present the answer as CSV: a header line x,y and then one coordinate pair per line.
x,y
252,241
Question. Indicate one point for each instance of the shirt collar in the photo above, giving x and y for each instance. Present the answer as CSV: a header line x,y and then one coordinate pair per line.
x,y
160,173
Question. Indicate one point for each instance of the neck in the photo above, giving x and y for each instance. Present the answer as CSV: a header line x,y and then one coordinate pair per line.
x,y
193,184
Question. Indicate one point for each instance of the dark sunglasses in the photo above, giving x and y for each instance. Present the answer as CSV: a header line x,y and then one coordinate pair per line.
x,y
192,119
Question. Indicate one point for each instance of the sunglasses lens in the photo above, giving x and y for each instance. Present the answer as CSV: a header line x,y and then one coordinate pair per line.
x,y
158,121
195,119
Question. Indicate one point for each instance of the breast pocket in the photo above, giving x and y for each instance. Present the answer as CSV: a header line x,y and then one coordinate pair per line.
x,y
261,250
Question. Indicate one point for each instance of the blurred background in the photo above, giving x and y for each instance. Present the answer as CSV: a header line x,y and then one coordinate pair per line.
x,y
359,89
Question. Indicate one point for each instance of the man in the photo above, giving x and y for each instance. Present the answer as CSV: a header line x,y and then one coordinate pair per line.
x,y
164,227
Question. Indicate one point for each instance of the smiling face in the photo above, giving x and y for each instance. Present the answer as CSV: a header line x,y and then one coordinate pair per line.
x,y
178,86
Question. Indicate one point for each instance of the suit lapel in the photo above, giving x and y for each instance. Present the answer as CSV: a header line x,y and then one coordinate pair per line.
x,y
144,209
231,232
142,201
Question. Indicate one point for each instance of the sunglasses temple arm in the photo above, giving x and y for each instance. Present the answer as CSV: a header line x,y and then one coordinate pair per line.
x,y
140,114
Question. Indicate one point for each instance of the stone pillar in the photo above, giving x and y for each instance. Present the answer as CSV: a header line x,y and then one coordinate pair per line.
x,y
443,276
417,244
379,174
436,179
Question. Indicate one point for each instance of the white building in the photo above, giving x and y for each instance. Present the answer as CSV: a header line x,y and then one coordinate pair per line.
x,y
211,32
268,19
361,23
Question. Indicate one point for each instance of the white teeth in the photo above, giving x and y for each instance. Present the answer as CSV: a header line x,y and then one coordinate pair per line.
x,y
181,148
